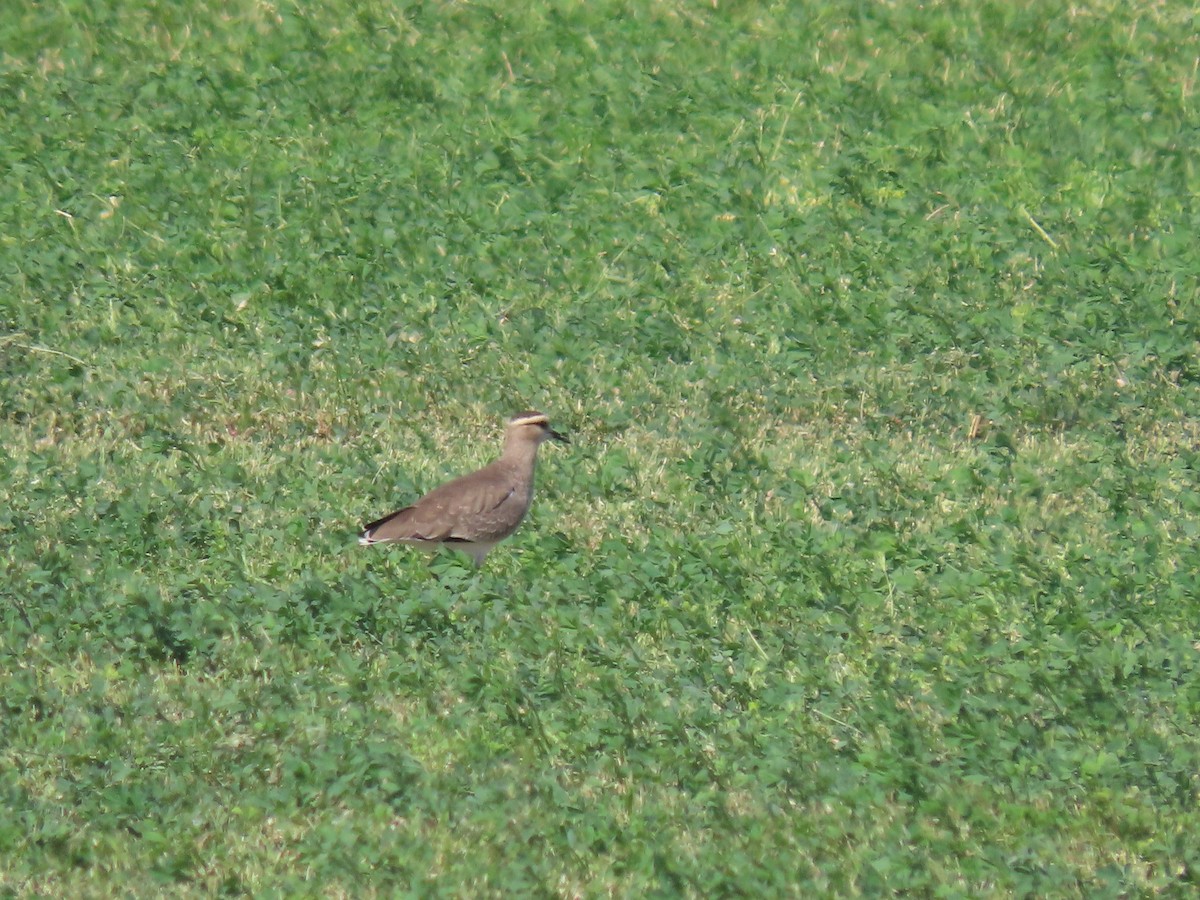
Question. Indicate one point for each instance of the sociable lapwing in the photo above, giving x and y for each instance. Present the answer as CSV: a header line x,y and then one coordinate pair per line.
x,y
477,511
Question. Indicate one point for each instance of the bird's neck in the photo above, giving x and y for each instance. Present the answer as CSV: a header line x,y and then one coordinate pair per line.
x,y
519,454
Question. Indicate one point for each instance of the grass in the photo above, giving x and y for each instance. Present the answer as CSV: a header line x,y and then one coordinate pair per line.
x,y
873,567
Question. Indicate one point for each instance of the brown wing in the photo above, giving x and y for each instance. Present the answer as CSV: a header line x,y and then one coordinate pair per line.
x,y
457,510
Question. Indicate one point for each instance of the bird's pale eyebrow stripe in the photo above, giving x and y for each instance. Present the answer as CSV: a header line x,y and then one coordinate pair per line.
x,y
539,419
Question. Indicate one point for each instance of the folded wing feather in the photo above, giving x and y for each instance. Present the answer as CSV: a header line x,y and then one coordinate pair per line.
x,y
449,512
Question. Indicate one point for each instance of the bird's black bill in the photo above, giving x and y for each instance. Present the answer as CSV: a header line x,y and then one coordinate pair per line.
x,y
561,438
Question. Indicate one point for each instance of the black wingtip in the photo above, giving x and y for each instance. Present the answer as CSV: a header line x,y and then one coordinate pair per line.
x,y
367,535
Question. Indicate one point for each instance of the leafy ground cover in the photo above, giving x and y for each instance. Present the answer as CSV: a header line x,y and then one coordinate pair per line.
x,y
873,566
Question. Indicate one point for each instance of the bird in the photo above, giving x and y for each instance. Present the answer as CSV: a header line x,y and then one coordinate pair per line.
x,y
475,512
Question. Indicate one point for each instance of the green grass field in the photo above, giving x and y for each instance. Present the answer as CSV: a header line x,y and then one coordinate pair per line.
x,y
873,567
